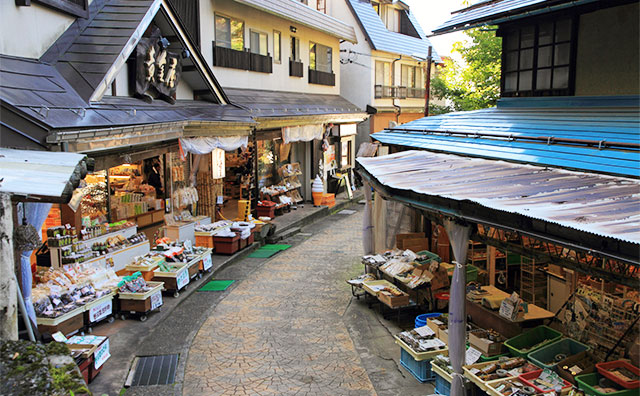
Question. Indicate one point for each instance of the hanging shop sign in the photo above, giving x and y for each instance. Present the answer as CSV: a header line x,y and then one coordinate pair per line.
x,y
217,164
330,158
157,70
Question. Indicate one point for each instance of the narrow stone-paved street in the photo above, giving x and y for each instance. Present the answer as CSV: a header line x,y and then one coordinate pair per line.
x,y
280,332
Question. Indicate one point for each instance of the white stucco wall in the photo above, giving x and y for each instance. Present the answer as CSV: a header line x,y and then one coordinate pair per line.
x,y
356,77
29,31
184,90
279,79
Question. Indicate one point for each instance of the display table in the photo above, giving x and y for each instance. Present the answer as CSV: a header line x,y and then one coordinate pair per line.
x,y
56,252
98,310
140,304
183,230
173,281
119,259
67,324
490,319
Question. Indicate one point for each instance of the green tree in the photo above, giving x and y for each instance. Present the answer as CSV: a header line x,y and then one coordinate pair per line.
x,y
475,83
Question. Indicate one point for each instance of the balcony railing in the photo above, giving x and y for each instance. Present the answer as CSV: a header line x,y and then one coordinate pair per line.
x,y
322,78
261,63
386,91
415,92
296,69
244,60
227,57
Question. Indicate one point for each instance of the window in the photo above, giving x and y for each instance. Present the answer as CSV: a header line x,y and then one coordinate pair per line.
x,y
537,59
384,80
376,7
321,6
229,33
393,19
295,49
412,77
320,58
277,53
259,43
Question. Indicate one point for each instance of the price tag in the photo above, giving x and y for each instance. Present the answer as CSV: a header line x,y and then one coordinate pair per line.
x,y
206,262
101,354
59,337
425,331
472,355
506,309
183,278
156,300
100,311
220,200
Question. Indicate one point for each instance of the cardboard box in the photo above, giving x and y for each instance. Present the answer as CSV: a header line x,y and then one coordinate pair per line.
x,y
484,345
440,279
401,238
435,324
394,301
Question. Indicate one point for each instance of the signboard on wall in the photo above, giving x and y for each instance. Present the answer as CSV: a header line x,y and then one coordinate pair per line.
x,y
217,164
157,69
330,158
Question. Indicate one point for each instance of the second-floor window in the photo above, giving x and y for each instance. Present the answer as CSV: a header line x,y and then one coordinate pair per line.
x,y
277,41
295,49
320,57
538,60
229,33
384,79
259,43
413,79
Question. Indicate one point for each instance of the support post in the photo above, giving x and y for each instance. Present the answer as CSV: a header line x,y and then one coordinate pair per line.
x,y
459,238
427,83
8,285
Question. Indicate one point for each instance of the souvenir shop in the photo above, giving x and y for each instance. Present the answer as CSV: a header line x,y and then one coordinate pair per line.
x,y
494,308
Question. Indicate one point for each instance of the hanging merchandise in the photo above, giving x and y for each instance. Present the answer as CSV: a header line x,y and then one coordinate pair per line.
x,y
184,197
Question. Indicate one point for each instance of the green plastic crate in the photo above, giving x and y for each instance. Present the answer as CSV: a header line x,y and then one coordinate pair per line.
x,y
430,255
472,273
523,344
586,382
568,347
490,358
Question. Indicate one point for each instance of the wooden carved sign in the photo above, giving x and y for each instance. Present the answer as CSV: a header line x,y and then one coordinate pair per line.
x,y
157,69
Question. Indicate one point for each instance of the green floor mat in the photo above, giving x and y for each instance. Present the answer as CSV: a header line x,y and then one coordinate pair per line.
x,y
216,285
276,247
263,253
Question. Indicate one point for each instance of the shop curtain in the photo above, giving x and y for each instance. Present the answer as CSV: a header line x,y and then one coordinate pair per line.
x,y
459,238
367,226
304,133
204,145
36,214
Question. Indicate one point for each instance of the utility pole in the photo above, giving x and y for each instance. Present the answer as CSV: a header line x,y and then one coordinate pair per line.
x,y
427,83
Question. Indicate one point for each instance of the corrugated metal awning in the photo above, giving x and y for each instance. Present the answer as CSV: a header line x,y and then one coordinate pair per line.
x,y
592,204
593,134
45,175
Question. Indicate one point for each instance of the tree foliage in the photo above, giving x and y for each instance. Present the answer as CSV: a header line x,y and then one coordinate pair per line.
x,y
474,84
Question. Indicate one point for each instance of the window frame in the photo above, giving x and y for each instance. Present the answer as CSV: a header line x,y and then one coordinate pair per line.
x,y
295,49
259,33
230,18
535,67
314,65
277,55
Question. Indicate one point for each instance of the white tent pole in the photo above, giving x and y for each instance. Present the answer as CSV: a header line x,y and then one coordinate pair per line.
x,y
459,237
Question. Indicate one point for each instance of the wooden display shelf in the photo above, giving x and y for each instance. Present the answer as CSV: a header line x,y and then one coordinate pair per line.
x,y
148,218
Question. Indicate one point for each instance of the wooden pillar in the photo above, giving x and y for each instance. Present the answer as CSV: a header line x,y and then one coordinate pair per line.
x,y
8,287
491,264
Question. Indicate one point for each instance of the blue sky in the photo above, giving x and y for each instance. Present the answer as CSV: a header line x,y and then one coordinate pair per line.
x,y
431,14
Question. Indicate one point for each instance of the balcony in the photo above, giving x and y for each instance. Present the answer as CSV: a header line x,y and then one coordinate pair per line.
x,y
227,57
296,69
322,78
261,63
385,91
243,60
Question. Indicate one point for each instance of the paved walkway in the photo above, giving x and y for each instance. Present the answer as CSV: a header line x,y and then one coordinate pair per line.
x,y
281,332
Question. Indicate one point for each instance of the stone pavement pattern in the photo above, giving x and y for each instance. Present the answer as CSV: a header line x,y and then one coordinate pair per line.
x,y
280,332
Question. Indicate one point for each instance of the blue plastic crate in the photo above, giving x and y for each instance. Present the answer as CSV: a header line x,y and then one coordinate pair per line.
x,y
443,387
421,370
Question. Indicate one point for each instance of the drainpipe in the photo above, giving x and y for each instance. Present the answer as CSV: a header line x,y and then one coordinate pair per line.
x,y
427,83
393,70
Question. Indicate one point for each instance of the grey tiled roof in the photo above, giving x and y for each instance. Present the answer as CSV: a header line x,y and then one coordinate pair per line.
x,y
262,103
300,13
41,93
382,39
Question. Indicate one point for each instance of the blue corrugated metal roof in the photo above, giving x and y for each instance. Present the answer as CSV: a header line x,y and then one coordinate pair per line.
x,y
493,12
382,39
597,139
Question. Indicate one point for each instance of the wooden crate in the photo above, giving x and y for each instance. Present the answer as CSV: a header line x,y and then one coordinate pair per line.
x,y
204,239
66,324
394,301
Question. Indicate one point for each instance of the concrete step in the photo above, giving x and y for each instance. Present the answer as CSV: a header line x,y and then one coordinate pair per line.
x,y
278,236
